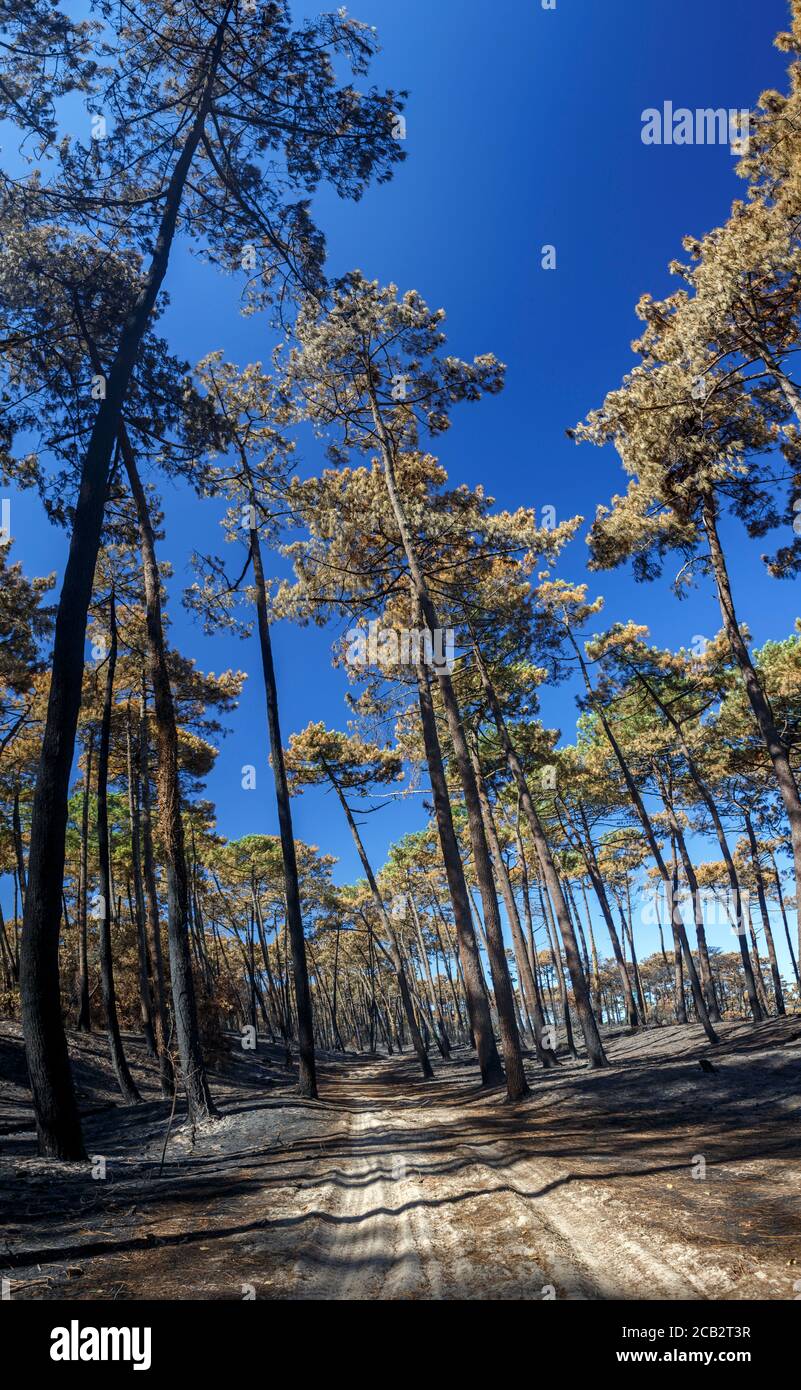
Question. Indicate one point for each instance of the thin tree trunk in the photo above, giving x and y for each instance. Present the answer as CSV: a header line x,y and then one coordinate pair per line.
x,y
698,908
395,957
587,850
152,923
199,1100
545,1054
307,1076
19,850
778,992
469,960
596,1056
780,896
678,973
57,1120
84,1019
138,900
436,1007
125,1081
679,930
731,870
559,974
596,974
516,1084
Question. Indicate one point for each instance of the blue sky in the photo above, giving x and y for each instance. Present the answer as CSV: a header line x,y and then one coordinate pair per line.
x,y
523,129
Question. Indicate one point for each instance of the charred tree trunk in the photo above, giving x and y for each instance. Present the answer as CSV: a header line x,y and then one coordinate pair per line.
x,y
84,1019
55,1107
469,960
778,992
152,924
125,1081
395,955
138,897
199,1100
589,1026
307,1075
516,1084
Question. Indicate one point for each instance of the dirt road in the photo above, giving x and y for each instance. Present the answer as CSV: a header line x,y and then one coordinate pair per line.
x,y
653,1179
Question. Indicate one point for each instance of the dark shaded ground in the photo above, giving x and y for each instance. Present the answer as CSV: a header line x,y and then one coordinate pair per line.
x,y
391,1187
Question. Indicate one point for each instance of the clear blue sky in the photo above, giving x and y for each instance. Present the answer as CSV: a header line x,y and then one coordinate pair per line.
x,y
523,129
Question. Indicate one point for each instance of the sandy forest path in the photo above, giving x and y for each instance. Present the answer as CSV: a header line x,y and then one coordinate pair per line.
x,y
653,1179
416,1211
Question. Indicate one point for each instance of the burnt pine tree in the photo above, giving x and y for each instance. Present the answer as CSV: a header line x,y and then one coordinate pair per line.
x,y
369,364
253,476
203,101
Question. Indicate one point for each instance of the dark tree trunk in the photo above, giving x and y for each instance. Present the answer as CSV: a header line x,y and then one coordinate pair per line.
x,y
558,969
57,1121
780,897
778,992
678,972
698,910
516,1085
587,851
128,1090
170,821
19,850
395,956
545,1054
469,960
137,898
731,870
84,1019
307,1075
440,1029
679,931
152,923
589,1026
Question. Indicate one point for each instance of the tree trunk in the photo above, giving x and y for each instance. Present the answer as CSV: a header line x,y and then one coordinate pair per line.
x,y
128,1090
589,1026
436,1005
516,1084
587,851
678,972
395,956
545,1053
198,1096
19,850
57,1120
679,931
558,968
780,897
695,892
778,992
596,974
138,898
307,1075
468,958
84,1019
152,923
731,870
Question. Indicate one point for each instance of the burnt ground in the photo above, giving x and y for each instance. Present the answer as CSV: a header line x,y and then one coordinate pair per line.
x,y
391,1187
